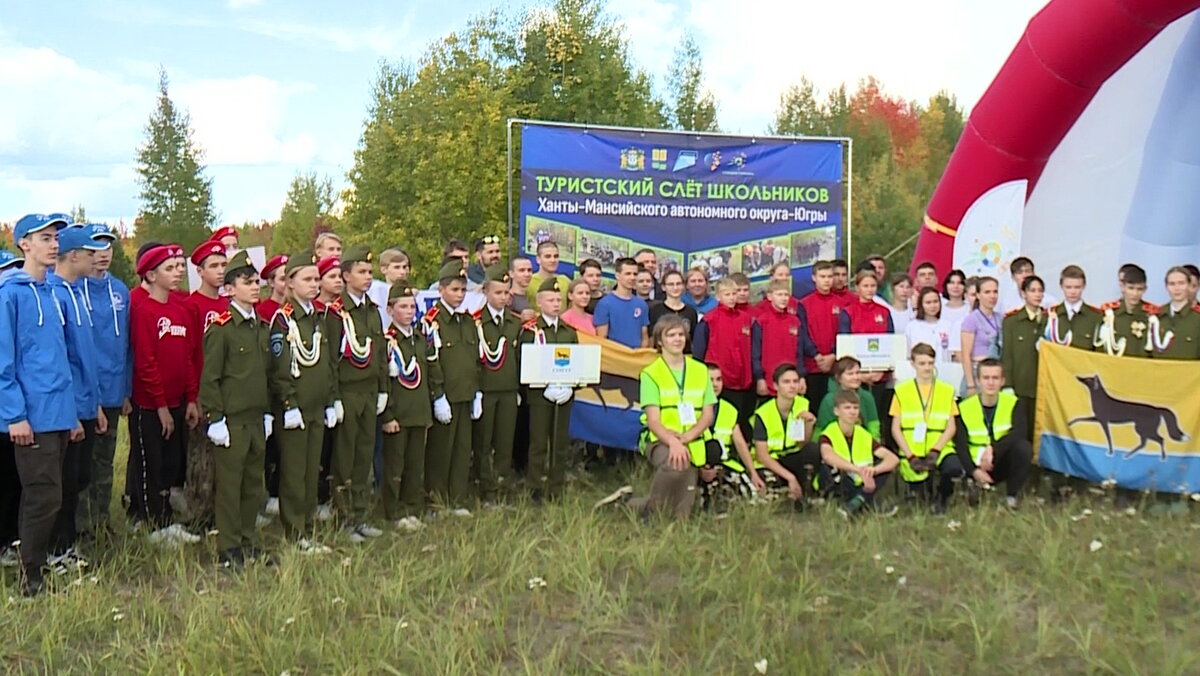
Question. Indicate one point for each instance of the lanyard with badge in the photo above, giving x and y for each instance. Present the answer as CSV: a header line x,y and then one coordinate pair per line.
x,y
687,411
795,428
921,429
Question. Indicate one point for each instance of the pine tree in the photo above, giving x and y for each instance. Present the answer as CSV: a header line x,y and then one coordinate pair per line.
x,y
309,201
176,195
695,109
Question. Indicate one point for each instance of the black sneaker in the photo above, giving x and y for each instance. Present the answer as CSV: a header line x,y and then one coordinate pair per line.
x,y
231,559
939,508
852,506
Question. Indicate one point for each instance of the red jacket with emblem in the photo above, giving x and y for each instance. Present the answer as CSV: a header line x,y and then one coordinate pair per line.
x,y
723,338
861,316
205,311
823,310
161,337
779,337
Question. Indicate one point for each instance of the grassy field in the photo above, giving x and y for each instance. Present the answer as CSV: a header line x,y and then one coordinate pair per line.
x,y
981,591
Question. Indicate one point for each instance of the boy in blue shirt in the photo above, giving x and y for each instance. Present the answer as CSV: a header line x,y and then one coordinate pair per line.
x,y
622,316
37,394
107,298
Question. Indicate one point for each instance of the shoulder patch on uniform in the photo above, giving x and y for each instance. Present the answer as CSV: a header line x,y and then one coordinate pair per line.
x,y
1149,308
432,313
277,344
336,305
1111,305
1013,312
478,314
287,309
222,318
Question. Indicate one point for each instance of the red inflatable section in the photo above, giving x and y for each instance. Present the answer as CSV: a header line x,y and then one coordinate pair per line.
x,y
1068,51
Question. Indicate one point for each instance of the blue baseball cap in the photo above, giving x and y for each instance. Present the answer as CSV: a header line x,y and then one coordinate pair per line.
x,y
78,237
9,259
102,234
31,223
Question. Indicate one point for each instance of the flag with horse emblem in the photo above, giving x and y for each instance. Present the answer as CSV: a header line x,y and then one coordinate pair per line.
x,y
609,413
1125,419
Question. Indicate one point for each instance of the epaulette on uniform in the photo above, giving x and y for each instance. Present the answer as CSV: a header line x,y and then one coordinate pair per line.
x,y
1111,305
431,314
1149,308
336,305
222,319
478,315
530,324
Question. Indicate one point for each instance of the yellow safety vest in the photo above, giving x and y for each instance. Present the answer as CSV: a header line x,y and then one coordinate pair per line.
x,y
860,452
671,393
722,431
936,417
779,442
971,410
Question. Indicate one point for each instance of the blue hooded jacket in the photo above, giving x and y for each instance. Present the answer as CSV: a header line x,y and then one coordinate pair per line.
x,y
35,376
81,348
108,299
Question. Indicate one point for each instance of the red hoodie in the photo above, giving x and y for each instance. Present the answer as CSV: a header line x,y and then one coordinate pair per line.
x,y
266,309
205,311
728,345
161,336
823,311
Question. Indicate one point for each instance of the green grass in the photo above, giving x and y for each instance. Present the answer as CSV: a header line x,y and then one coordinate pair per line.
x,y
811,594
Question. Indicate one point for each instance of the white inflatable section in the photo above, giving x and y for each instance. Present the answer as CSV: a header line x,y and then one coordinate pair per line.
x,y
1079,207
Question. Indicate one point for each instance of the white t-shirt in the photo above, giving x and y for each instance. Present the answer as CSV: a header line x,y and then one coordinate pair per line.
x,y
943,336
378,292
900,318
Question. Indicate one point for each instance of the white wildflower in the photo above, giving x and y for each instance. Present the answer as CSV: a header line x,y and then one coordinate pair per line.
x,y
761,666
403,624
902,580
1086,512
338,600
536,583
1108,483
878,557
953,524
429,548
889,570
821,601
346,561
1095,546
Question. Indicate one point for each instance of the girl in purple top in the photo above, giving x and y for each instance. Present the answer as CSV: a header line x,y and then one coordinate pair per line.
x,y
981,330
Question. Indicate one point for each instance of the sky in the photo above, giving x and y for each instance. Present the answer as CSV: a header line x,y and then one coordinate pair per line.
x,y
280,87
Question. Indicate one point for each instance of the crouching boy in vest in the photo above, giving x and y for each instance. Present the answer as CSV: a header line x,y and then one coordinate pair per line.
x,y
923,412
858,465
737,476
234,396
991,441
783,428
677,411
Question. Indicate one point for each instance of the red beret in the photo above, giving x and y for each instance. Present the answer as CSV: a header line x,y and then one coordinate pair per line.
x,y
224,231
272,265
206,249
326,264
152,258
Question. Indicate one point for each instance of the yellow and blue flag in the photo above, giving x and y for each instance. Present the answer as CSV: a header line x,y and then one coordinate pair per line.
x,y
1130,420
609,412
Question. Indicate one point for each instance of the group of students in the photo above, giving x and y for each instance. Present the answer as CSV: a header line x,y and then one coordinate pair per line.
x,y
834,440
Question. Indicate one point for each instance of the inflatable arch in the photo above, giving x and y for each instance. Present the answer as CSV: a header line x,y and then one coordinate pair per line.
x,y
1084,149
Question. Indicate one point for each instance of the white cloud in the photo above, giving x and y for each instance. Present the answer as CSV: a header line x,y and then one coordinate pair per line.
x,y
242,4
241,120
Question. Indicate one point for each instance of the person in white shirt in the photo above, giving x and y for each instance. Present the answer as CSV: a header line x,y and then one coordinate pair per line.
x,y
394,265
1010,297
931,328
955,305
902,291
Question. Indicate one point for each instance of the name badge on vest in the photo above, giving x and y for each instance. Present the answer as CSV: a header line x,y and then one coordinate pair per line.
x,y
687,413
919,432
796,429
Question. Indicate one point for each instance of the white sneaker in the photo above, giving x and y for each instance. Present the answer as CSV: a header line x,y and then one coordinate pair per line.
x,y
9,558
368,530
261,521
182,534
409,524
354,536
309,547
618,495
324,513
164,537
272,508
461,512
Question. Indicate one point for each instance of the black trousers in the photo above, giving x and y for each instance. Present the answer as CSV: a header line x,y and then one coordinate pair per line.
x,y
271,464
745,402
40,469
804,463
154,466
817,388
10,492
323,489
76,476
1012,457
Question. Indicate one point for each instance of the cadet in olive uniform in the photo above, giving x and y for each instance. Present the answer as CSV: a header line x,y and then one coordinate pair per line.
x,y
456,396
1019,335
1175,331
305,387
1073,322
1124,331
362,382
234,395
549,407
408,416
499,379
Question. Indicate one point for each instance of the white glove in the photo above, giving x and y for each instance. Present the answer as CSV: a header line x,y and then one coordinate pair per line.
x,y
331,416
551,393
477,406
268,425
566,394
218,433
292,419
518,398
393,369
339,409
441,410
380,403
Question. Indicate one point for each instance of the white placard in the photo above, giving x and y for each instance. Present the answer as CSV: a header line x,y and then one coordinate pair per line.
x,y
875,351
561,363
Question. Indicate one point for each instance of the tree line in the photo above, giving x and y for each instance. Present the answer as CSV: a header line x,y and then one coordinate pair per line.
x,y
430,164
